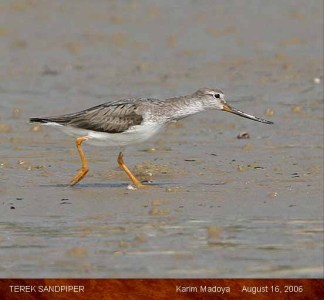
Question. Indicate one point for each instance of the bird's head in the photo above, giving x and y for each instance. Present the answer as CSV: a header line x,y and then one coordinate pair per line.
x,y
215,99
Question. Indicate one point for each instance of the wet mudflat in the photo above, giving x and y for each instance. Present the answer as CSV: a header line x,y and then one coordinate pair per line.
x,y
221,206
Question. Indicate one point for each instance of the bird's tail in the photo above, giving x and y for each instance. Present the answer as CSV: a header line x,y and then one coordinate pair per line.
x,y
39,120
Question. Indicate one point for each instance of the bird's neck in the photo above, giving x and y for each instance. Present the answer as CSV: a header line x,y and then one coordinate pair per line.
x,y
178,108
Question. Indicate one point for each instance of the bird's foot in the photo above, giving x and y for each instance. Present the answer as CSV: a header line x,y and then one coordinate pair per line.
x,y
79,176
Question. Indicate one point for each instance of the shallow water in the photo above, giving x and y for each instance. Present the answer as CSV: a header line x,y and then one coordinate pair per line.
x,y
221,206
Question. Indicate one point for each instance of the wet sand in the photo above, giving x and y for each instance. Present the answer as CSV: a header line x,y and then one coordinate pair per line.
x,y
221,206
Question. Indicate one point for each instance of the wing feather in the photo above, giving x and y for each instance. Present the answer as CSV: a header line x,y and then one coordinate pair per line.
x,y
113,117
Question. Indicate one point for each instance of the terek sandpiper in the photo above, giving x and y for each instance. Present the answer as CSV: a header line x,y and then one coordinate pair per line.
x,y
130,121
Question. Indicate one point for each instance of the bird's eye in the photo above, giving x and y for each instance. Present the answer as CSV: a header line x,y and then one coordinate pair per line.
x,y
217,96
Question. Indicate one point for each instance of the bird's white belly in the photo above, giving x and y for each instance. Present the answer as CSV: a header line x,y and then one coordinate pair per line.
x,y
134,135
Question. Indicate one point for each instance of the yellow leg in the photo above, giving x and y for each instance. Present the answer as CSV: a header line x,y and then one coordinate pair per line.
x,y
84,169
135,181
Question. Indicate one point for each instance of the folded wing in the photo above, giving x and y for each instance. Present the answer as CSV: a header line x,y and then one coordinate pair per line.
x,y
111,118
